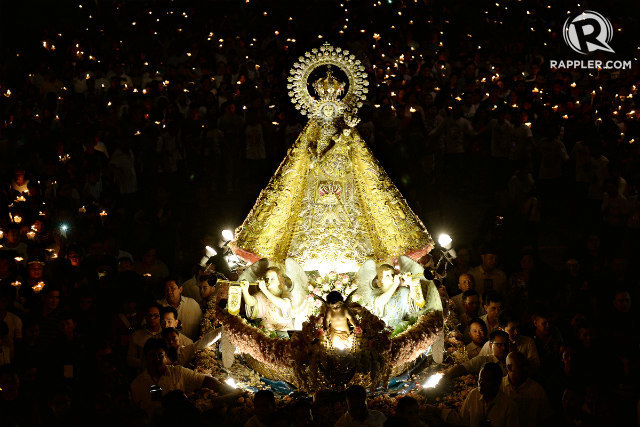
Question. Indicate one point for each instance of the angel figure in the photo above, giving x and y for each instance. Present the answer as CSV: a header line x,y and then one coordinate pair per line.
x,y
281,298
390,296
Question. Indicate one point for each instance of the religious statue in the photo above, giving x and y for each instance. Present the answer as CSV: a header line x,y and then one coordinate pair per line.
x,y
392,297
338,321
280,300
330,206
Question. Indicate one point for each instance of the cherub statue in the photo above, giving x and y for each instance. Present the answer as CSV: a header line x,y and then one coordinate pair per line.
x,y
281,297
338,320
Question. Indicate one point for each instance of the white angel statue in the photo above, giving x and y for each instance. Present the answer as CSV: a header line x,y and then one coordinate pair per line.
x,y
395,297
281,298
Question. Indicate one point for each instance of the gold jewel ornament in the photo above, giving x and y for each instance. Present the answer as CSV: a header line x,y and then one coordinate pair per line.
x,y
329,106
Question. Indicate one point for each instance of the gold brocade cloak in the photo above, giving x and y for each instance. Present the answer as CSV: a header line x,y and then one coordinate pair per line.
x,y
330,206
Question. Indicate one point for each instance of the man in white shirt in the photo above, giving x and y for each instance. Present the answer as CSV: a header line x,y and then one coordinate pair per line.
x,y
169,319
357,412
189,312
492,307
517,342
533,405
485,405
499,345
159,378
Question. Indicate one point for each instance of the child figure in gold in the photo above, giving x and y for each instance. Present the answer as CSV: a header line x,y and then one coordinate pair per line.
x,y
338,321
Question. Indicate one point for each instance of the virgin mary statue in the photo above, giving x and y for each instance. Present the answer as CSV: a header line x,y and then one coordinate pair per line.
x,y
330,206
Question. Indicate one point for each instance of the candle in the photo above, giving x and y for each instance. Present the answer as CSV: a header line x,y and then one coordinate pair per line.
x,y
16,284
38,287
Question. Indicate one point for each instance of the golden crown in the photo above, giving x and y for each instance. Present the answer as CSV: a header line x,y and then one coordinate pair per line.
x,y
329,88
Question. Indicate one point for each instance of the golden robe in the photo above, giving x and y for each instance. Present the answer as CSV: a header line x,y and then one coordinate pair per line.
x,y
330,206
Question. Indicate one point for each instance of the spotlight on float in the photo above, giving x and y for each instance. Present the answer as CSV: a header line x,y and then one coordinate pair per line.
x,y
208,253
64,228
231,382
444,259
227,235
445,240
432,381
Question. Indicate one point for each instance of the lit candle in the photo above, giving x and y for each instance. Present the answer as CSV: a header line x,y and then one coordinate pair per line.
x,y
38,287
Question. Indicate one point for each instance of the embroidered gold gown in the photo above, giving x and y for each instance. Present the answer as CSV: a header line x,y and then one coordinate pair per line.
x,y
330,206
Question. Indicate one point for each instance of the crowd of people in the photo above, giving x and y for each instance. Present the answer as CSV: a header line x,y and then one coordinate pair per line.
x,y
124,139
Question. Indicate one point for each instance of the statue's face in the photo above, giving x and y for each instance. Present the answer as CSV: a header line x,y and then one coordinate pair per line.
x,y
337,306
328,110
273,283
387,280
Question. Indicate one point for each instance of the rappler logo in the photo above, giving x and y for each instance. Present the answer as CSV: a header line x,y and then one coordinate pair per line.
x,y
588,32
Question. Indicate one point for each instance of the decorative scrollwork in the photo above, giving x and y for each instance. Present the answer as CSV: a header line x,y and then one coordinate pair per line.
x,y
329,106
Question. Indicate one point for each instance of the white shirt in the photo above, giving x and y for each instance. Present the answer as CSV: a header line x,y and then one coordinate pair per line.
x,y
191,289
489,327
190,314
374,419
174,378
474,365
524,345
502,411
533,405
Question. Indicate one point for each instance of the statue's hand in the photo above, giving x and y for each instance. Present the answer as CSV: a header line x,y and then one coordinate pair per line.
x,y
351,120
262,286
396,280
244,285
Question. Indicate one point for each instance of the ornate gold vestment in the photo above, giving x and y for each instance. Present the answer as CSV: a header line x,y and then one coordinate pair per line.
x,y
330,205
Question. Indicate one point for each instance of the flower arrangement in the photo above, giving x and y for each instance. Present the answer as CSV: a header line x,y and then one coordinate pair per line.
x,y
252,341
318,365
307,361
320,286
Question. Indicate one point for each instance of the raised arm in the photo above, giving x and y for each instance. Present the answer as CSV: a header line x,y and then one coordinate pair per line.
x,y
282,303
249,299
383,299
